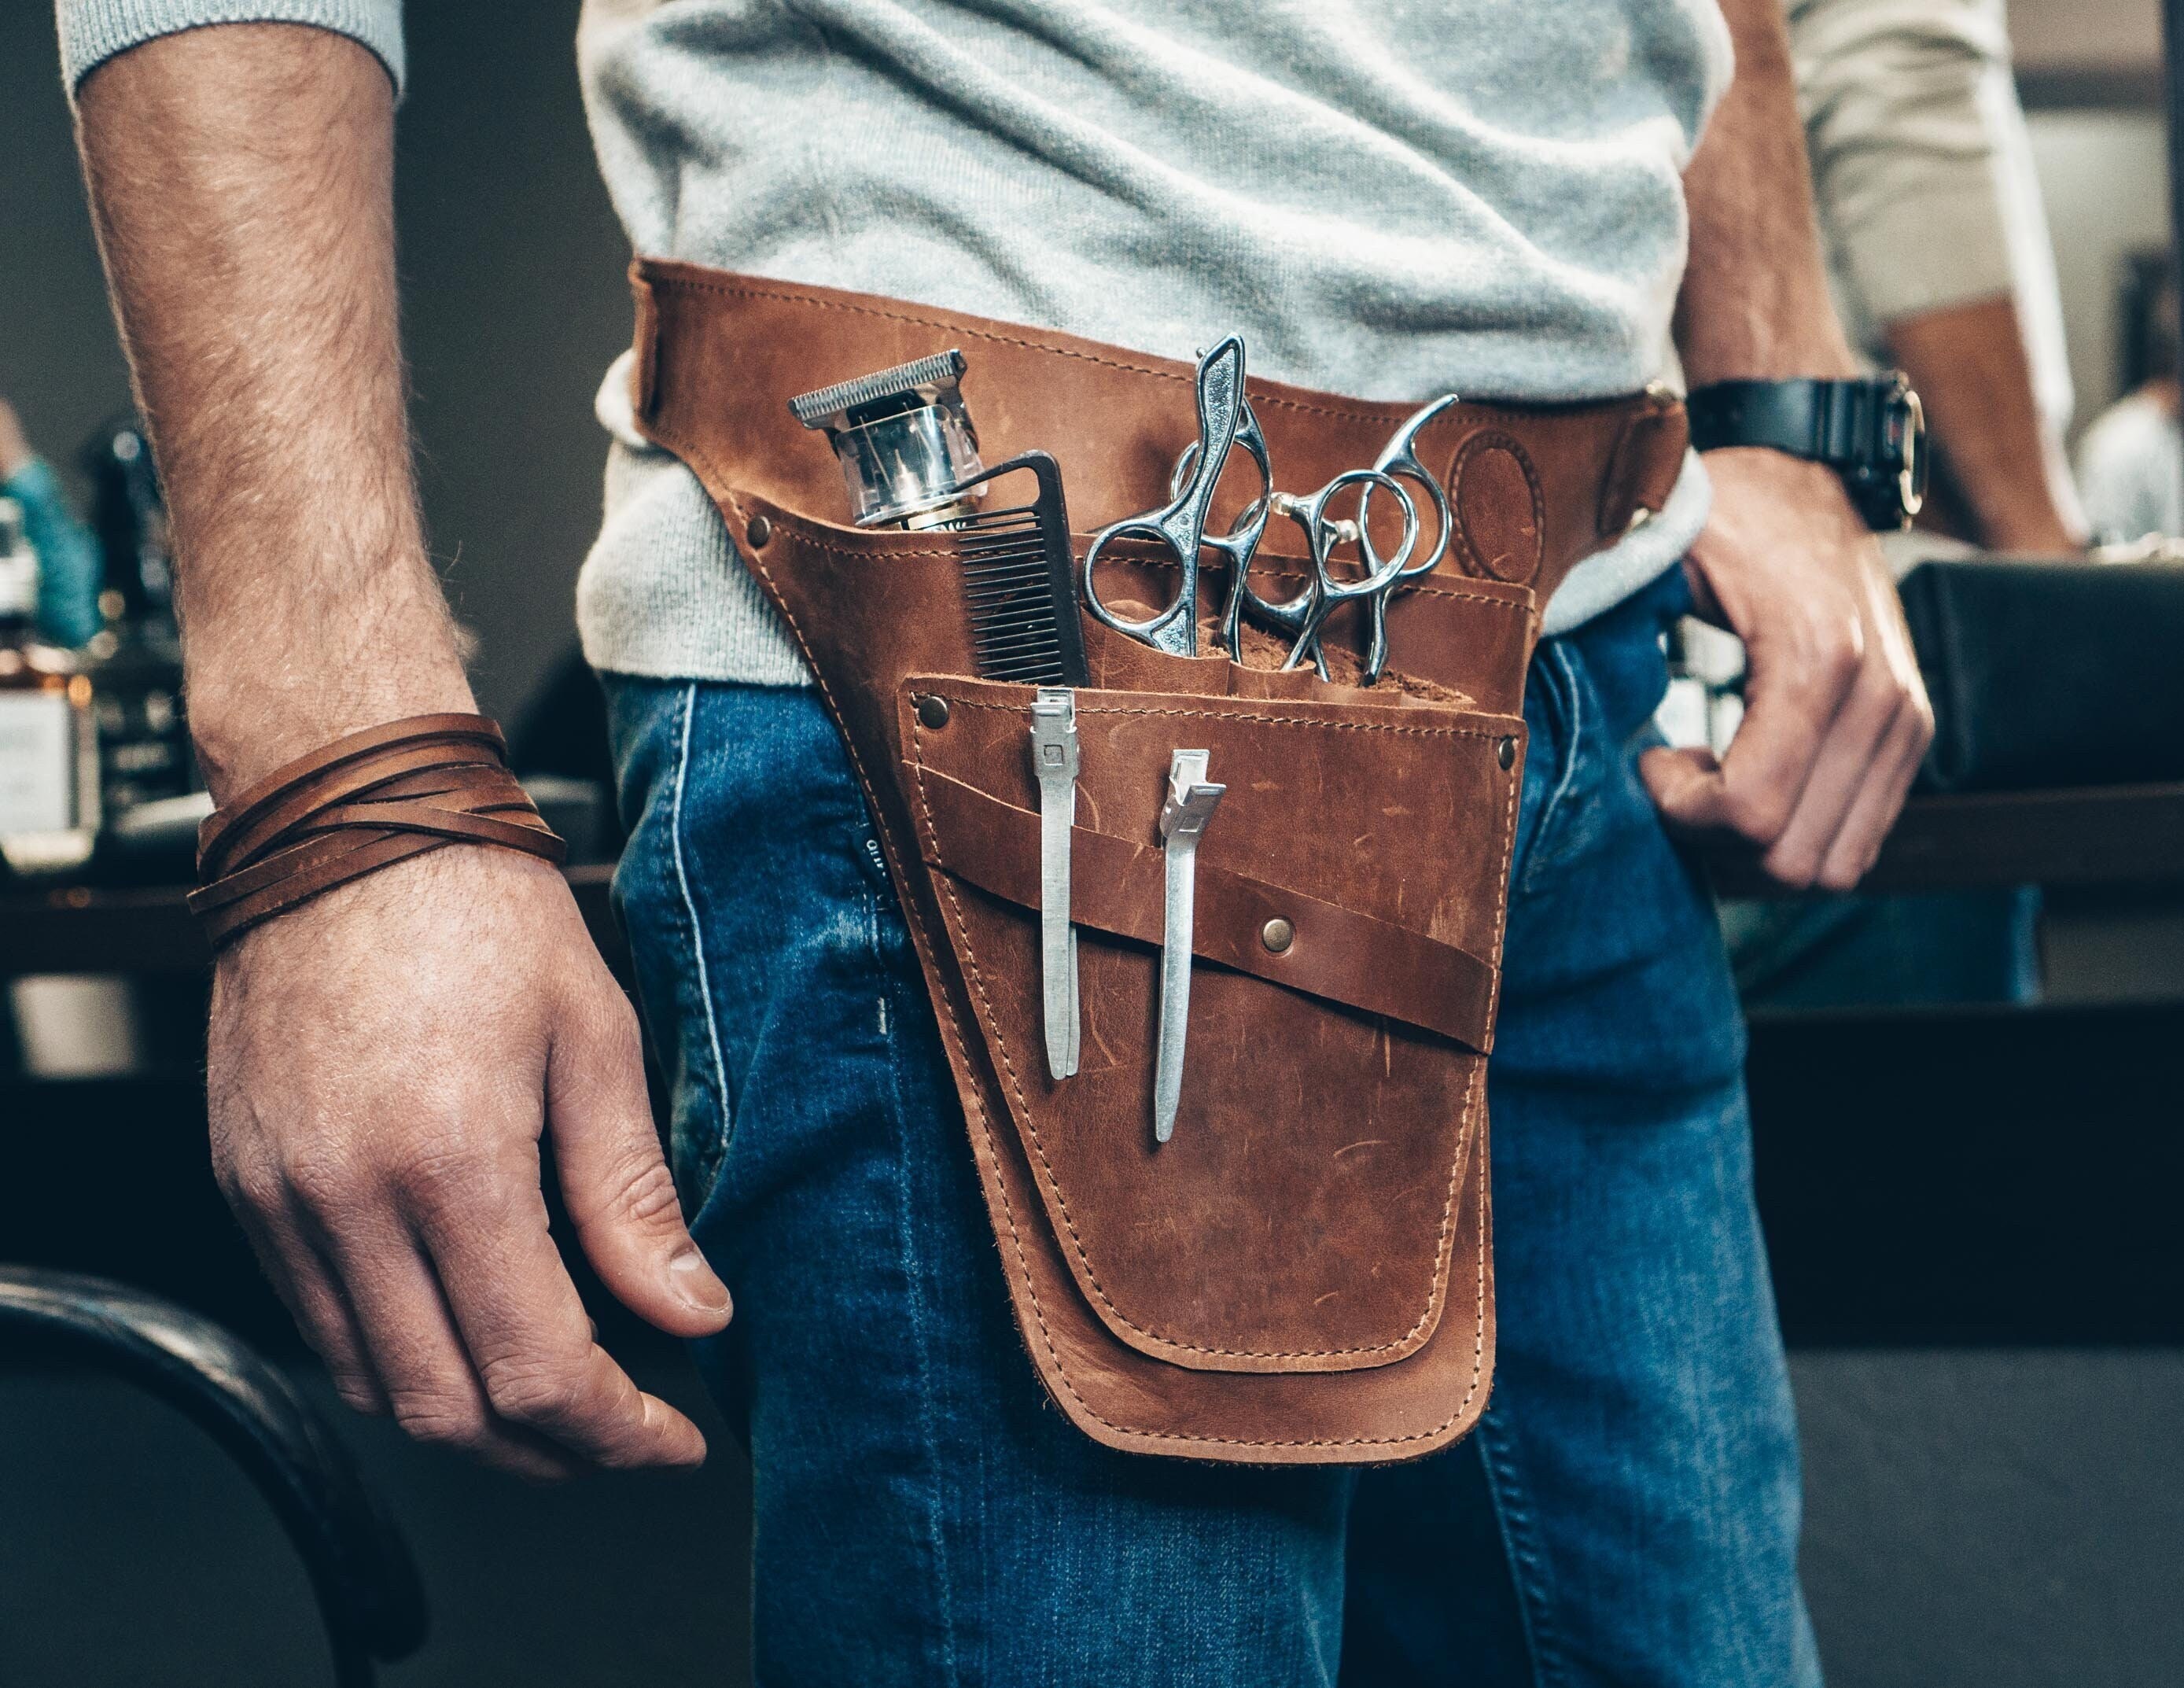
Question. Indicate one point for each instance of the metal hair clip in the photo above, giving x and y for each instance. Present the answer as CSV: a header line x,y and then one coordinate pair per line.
x,y
1191,800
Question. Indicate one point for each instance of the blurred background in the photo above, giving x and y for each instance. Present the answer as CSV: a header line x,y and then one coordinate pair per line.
x,y
1969,1138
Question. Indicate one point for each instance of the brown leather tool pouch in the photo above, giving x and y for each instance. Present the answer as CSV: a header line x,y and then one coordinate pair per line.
x,y
1302,1274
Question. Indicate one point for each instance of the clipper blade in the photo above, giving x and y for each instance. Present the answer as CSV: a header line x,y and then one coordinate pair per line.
x,y
904,438
924,380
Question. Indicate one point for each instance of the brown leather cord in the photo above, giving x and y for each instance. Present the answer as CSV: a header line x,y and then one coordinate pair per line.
x,y
366,801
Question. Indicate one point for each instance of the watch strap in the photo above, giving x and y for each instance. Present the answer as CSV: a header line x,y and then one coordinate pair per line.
x,y
1836,422
1870,431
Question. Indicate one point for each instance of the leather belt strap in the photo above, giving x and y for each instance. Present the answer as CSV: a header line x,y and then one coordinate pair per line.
x,y
1536,487
1335,953
362,803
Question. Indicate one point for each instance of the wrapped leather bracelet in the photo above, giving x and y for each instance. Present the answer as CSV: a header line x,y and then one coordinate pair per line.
x,y
363,802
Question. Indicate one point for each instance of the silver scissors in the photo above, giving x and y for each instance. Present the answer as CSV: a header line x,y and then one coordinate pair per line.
x,y
1398,460
1224,422
1303,616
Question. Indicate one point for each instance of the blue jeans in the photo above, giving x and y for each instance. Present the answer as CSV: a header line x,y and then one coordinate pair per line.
x,y
1627,1512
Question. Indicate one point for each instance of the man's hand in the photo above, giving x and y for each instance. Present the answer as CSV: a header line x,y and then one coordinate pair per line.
x,y
377,1128
1836,717
384,1058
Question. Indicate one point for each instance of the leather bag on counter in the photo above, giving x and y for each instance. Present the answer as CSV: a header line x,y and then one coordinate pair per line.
x,y
2049,673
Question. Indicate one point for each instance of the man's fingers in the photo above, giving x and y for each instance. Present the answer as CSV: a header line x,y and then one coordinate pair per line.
x,y
614,1180
525,1328
1903,748
1685,787
1802,682
1791,700
330,1322
1865,829
412,1346
300,1277
1851,760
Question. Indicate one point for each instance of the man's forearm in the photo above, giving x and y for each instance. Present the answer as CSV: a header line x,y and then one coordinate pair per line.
x,y
1836,719
1755,303
241,178
1970,367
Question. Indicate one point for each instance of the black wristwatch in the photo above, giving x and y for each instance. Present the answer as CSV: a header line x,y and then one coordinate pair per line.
x,y
1871,432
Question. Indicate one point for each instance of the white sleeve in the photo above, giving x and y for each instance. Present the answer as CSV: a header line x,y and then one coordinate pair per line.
x,y
1907,163
91,31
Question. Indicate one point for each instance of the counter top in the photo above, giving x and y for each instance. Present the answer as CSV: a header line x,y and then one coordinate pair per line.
x,y
2101,835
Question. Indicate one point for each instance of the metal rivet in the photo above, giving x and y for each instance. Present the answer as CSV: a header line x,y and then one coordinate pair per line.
x,y
1278,934
1506,753
931,712
760,531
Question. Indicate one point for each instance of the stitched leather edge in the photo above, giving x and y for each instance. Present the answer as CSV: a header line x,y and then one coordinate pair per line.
x,y
1474,560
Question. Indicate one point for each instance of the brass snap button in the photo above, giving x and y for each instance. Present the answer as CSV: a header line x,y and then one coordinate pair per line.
x,y
760,531
1278,934
1506,753
931,712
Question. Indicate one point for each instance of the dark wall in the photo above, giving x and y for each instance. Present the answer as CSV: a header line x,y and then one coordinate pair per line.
x,y
512,264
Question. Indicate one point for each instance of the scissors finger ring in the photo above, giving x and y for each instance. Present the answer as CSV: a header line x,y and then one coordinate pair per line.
x,y
1240,543
1400,458
1303,616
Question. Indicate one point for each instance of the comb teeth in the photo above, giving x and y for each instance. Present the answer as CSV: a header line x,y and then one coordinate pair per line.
x,y
1013,634
814,410
1020,583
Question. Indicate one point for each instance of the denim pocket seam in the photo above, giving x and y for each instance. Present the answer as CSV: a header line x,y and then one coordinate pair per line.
x,y
720,1086
1512,1513
911,1254
1568,704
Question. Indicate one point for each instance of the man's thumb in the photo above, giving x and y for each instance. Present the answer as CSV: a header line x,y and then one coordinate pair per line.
x,y
614,1181
1685,785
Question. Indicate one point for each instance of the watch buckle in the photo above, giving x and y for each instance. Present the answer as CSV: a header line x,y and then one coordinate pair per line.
x,y
1911,477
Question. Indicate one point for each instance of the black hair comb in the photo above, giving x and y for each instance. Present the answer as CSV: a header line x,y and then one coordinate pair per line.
x,y
1020,583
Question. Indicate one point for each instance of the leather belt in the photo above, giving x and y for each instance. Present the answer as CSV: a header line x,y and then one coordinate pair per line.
x,y
1536,488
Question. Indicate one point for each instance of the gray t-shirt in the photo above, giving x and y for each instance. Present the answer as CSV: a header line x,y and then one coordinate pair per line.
x,y
1388,198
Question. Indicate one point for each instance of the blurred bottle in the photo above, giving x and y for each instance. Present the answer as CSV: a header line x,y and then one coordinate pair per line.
x,y
135,661
49,764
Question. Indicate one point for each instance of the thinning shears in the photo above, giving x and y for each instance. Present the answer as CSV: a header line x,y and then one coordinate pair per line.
x,y
1304,617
